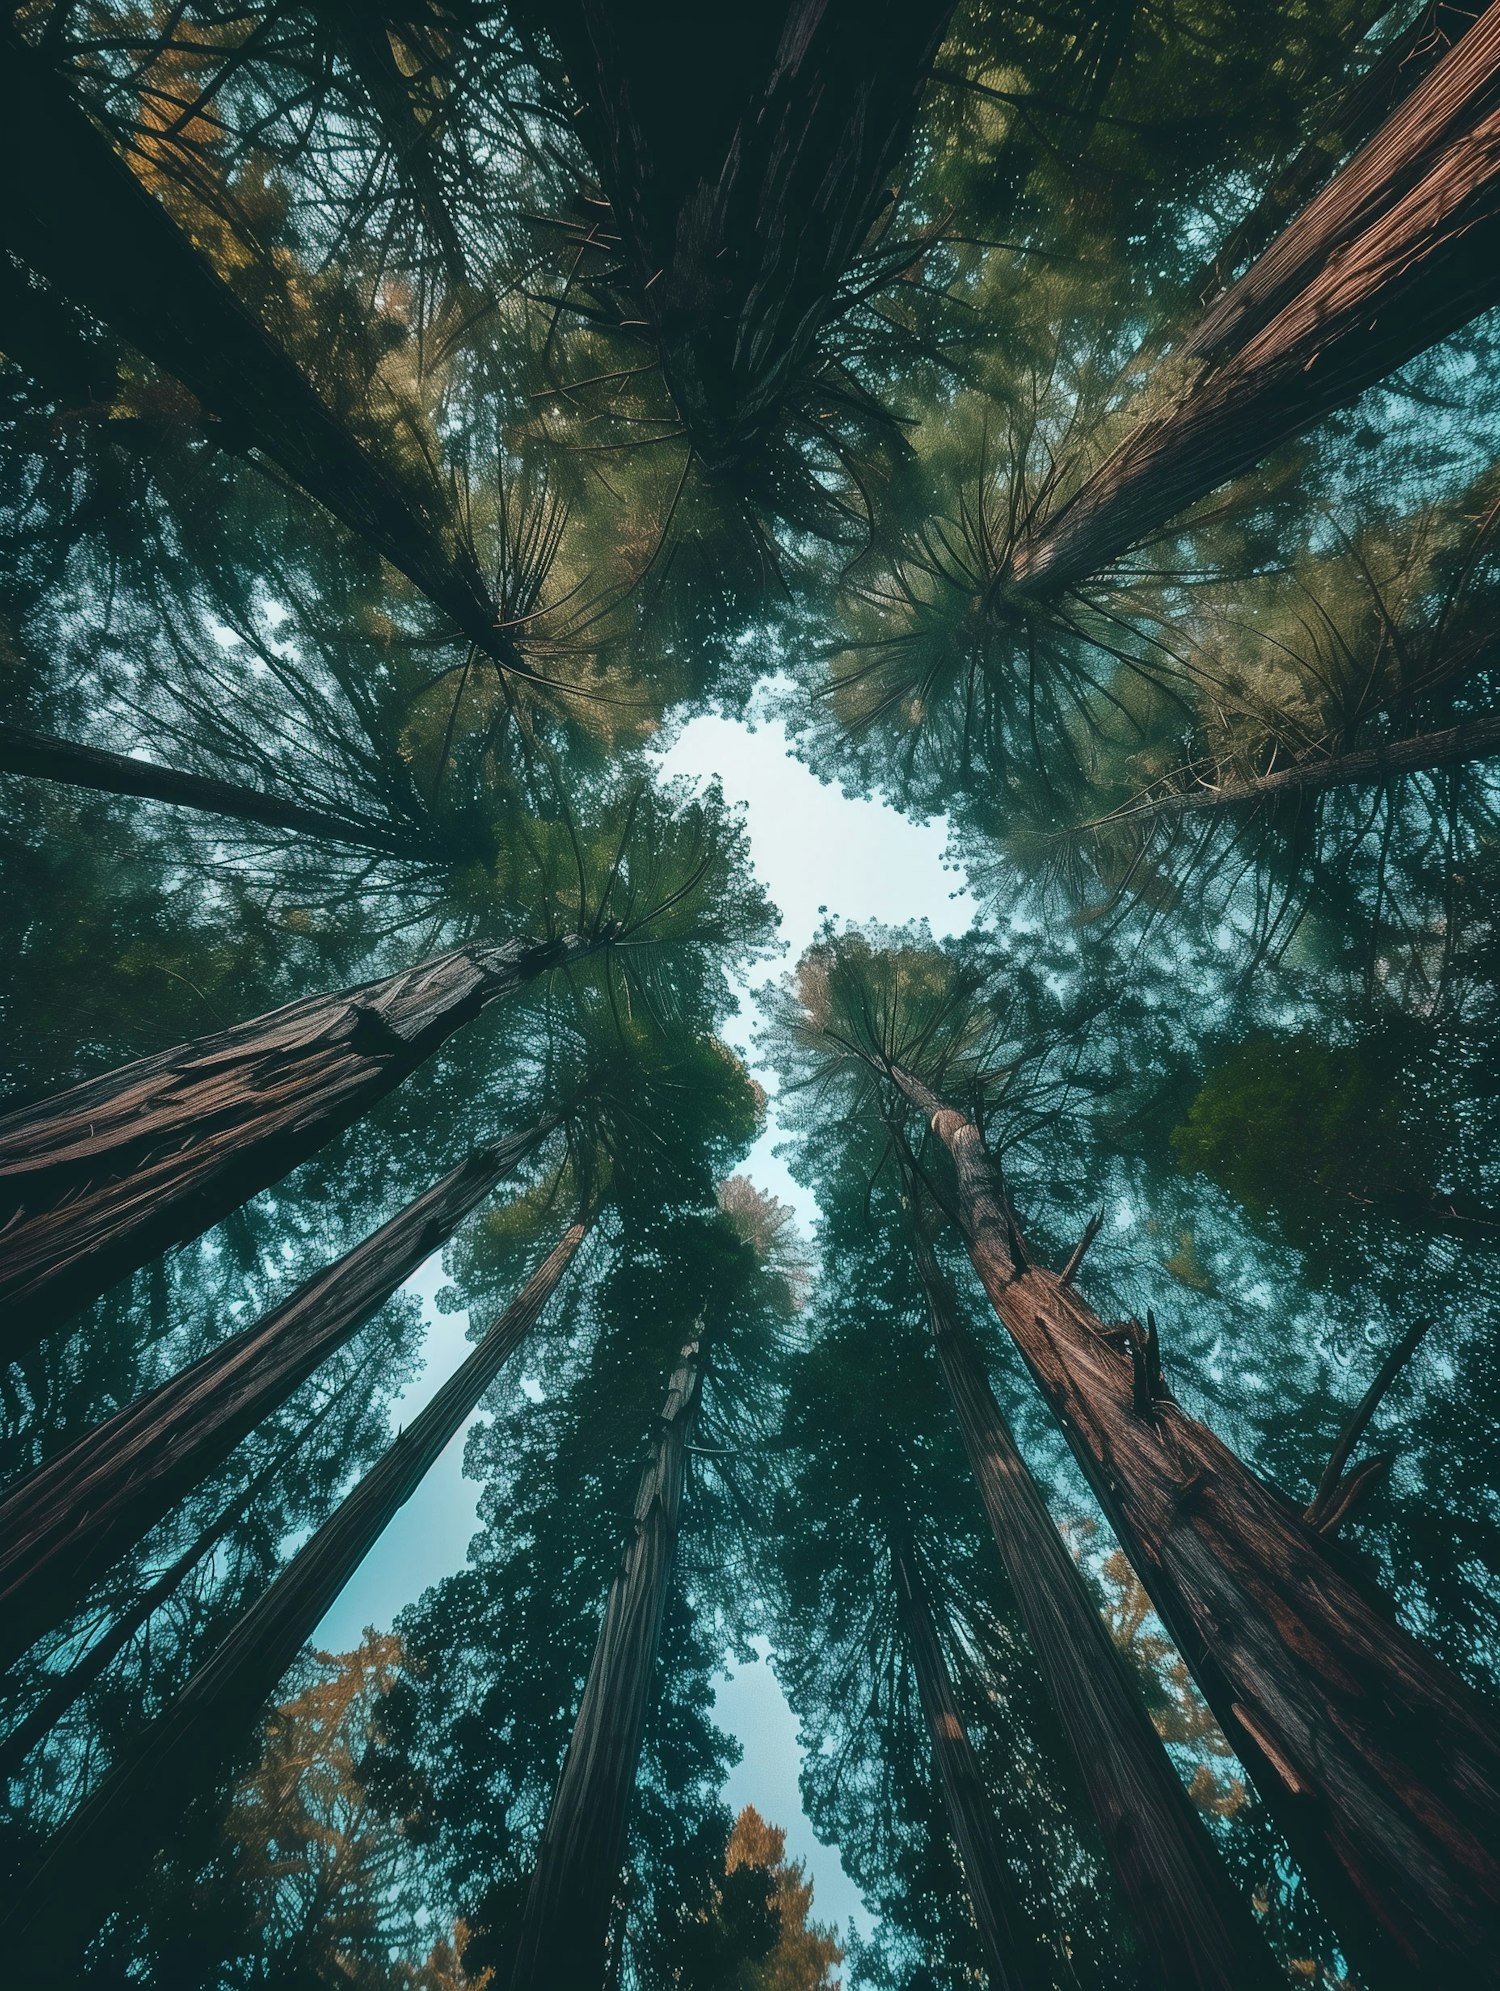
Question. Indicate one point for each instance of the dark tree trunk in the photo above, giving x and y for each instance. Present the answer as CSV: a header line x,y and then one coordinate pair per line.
x,y
1424,753
48,759
565,1922
1194,1929
1400,250
74,212
746,154
64,1524
1392,76
971,1819
98,1180
1382,1769
68,1687
117,1831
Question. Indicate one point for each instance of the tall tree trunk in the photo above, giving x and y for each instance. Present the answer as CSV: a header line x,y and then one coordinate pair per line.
x,y
1194,1929
49,759
971,1819
743,177
64,1524
565,1922
70,1686
1401,249
76,214
1472,739
118,1830
97,1180
1379,1765
1390,78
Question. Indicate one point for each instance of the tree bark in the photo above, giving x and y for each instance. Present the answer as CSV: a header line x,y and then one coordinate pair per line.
x,y
971,1820
118,1830
64,1524
1401,249
743,178
1380,1766
68,1687
1194,1929
97,1180
76,214
1391,77
1423,753
46,758
566,1917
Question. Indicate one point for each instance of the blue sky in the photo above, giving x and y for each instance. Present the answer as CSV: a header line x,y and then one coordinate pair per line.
x,y
812,847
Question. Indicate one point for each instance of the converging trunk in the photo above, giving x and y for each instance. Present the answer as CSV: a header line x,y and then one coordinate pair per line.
x,y
745,155
46,758
64,1524
118,1830
1423,753
1380,1766
971,1819
565,1921
1401,249
97,1180
1194,1928
76,214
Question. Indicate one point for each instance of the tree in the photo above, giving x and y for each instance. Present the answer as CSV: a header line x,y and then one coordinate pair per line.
x,y
67,1521
120,1824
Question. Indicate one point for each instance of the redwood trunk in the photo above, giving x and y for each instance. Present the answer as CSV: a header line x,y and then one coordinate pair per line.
x,y
1423,753
971,1819
1381,1767
566,1918
64,1524
119,1828
1400,250
1194,1929
98,1180
76,214
48,759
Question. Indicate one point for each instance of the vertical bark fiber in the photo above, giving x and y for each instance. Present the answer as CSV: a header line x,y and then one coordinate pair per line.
x,y
566,1918
45,758
971,1819
1401,249
117,1831
97,1180
76,214
1196,1933
64,1524
1380,1766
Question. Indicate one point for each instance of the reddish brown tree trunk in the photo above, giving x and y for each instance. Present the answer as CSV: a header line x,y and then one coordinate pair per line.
x,y
116,1832
1379,1765
76,214
64,1524
1401,249
1195,1930
97,1180
566,1918
48,759
971,1819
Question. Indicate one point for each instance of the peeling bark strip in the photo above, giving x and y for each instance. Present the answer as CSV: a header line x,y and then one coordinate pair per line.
x,y
98,1180
1195,1930
1452,746
971,1819
64,1524
1401,249
1382,1769
74,212
45,758
118,1830
566,1918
